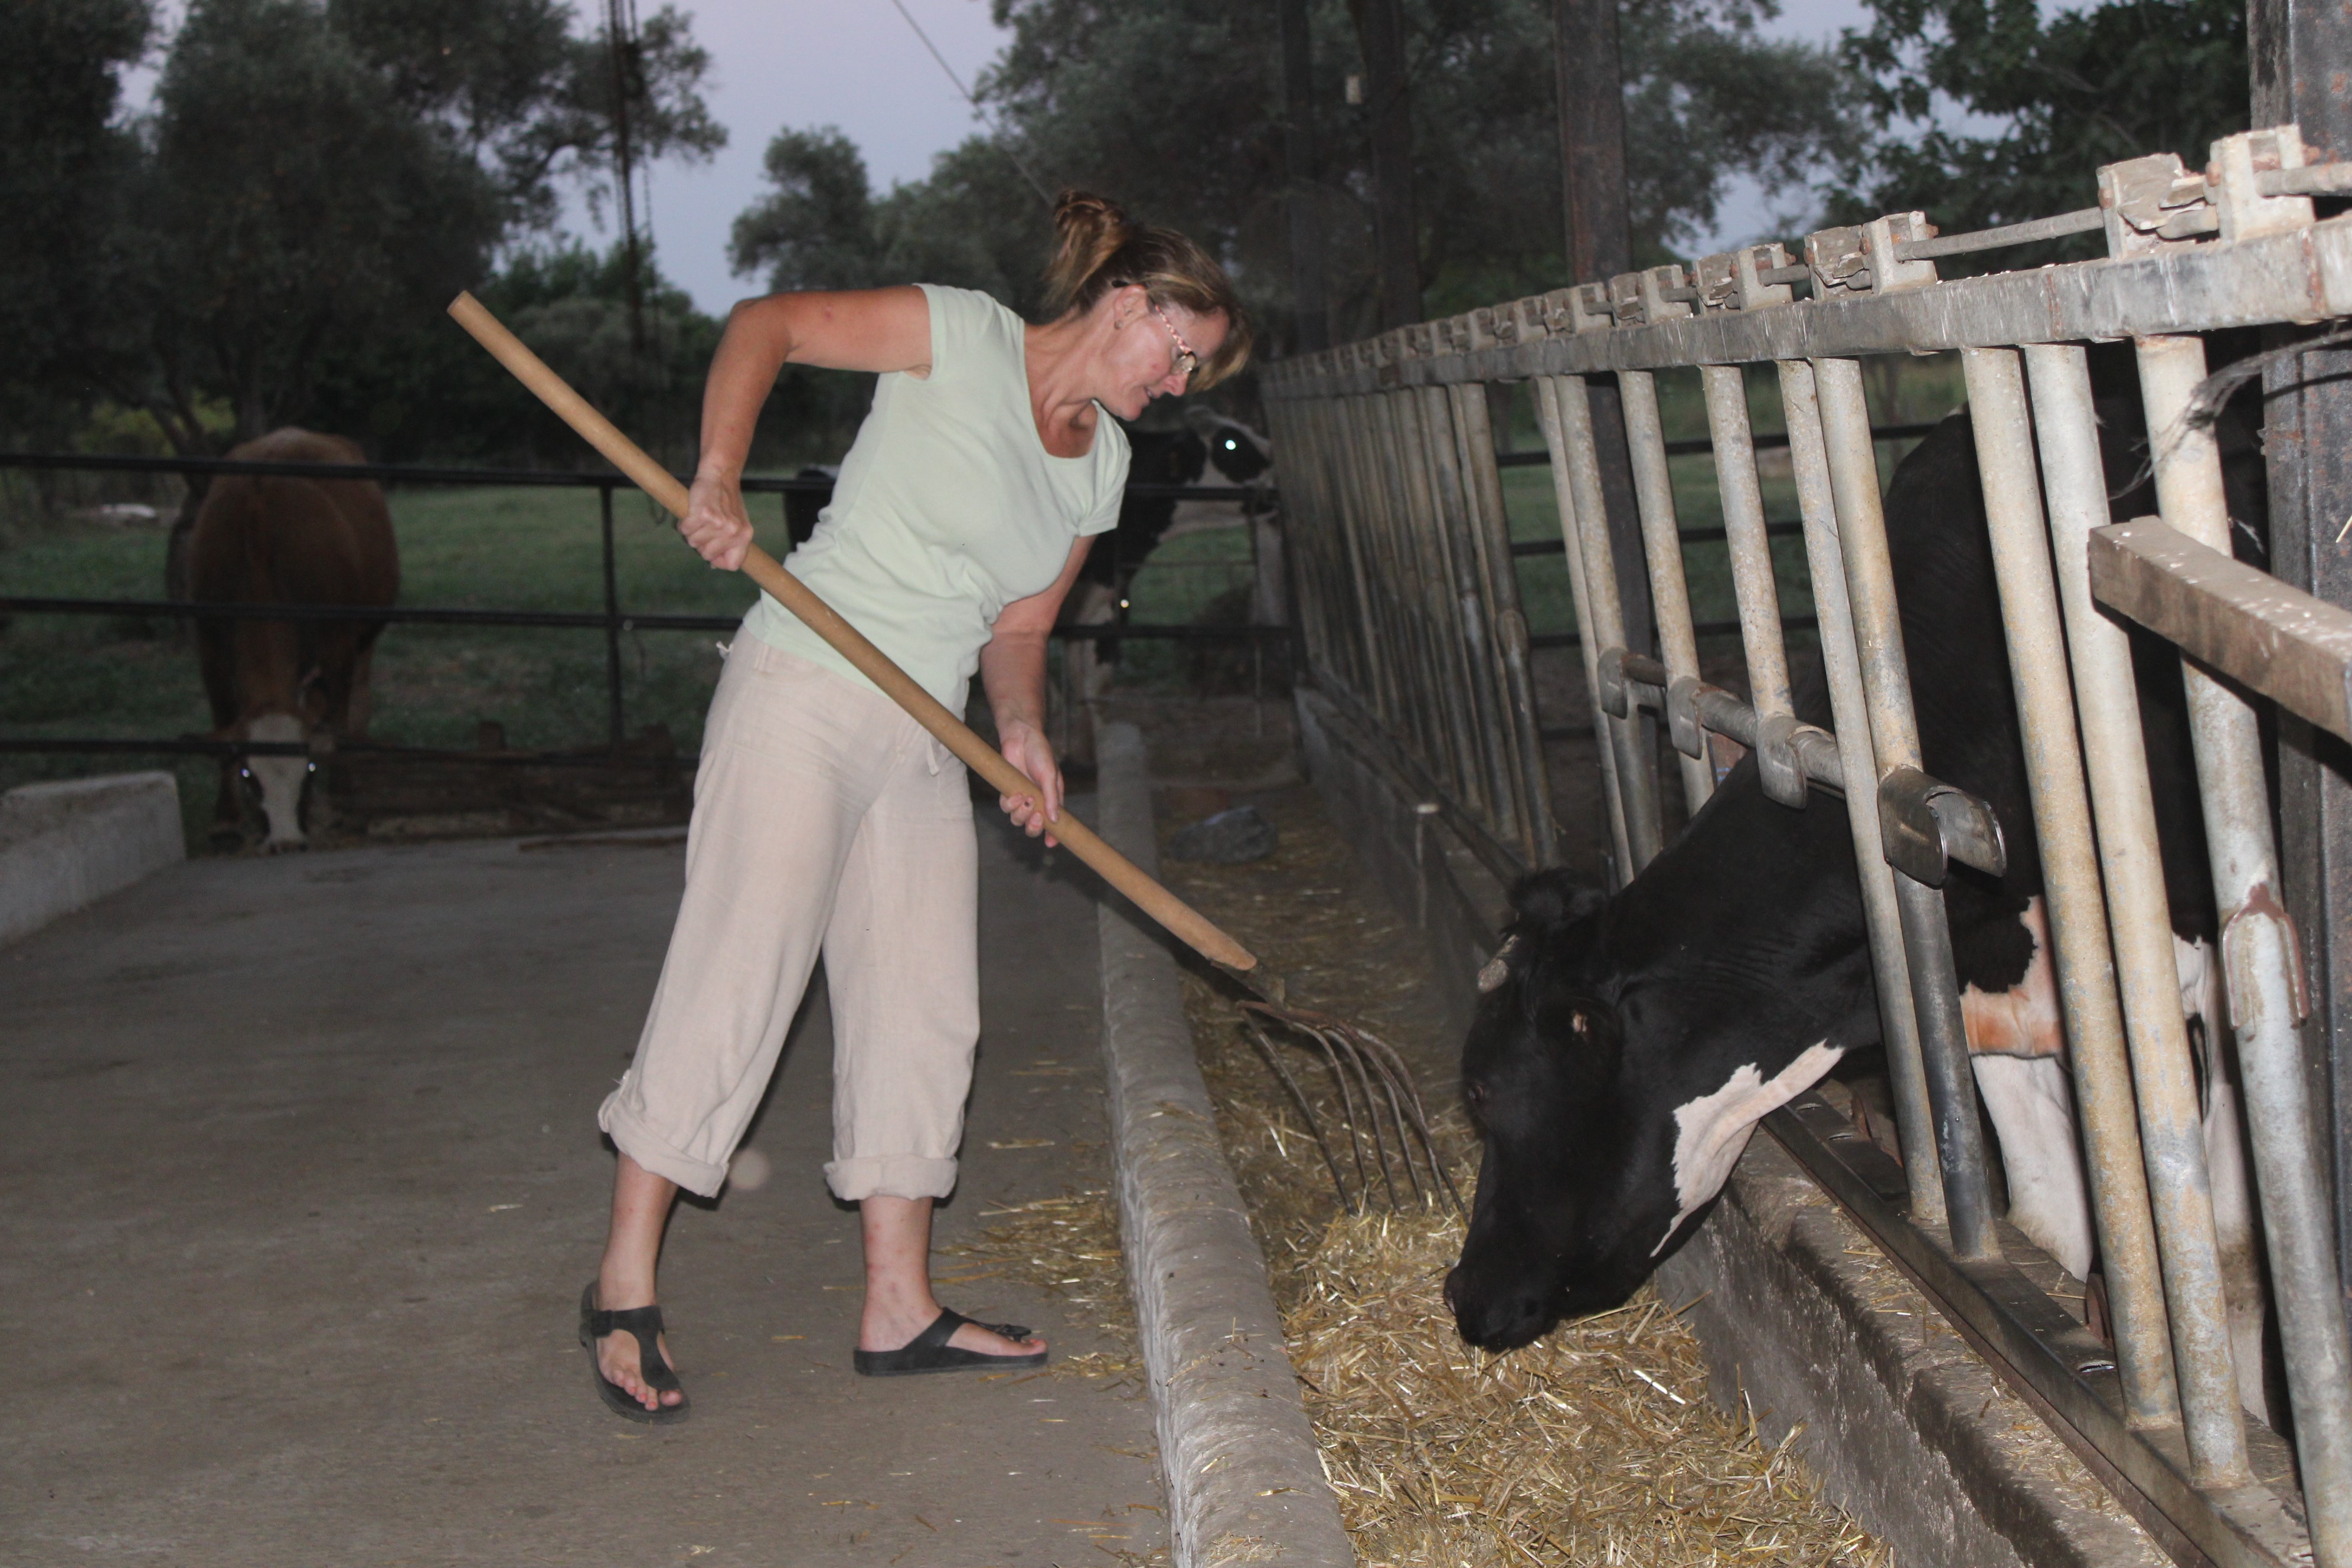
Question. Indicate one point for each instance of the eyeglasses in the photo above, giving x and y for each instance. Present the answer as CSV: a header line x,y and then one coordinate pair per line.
x,y
1187,362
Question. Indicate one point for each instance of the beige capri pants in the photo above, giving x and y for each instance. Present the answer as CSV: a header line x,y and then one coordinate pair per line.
x,y
825,819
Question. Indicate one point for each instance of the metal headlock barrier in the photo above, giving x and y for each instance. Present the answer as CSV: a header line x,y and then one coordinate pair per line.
x,y
612,619
1410,620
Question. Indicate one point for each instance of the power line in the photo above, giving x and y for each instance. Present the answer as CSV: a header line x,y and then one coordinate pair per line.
x,y
1002,144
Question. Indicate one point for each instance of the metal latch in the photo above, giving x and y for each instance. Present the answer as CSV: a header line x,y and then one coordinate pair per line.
x,y
1925,823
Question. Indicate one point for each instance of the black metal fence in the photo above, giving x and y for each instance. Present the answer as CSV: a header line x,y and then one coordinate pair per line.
x,y
613,619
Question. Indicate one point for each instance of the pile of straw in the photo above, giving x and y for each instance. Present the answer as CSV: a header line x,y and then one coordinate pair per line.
x,y
1597,1445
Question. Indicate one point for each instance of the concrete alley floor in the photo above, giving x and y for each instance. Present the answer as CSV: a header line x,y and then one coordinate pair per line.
x,y
303,1181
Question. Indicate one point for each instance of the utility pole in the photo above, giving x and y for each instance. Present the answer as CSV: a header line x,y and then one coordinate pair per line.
x,y
2300,52
621,42
1599,245
1299,159
1396,228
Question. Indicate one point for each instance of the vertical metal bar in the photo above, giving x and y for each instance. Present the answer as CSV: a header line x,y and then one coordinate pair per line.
x,y
1447,651
1477,586
1372,684
1405,587
2259,954
1726,386
612,625
1340,573
1850,710
1502,575
1637,769
1894,736
2075,896
1661,544
1613,804
1303,462
1454,523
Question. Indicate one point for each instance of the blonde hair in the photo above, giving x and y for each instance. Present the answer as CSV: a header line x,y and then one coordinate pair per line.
x,y
1096,249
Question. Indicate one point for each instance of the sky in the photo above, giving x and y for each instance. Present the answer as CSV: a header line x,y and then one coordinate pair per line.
x,y
860,66
855,64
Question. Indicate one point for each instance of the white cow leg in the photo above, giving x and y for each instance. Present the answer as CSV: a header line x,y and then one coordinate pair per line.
x,y
281,780
2226,1166
2032,1108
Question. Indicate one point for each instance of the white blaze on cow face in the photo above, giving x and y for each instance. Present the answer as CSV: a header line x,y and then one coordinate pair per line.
x,y
2023,1021
1712,1131
280,779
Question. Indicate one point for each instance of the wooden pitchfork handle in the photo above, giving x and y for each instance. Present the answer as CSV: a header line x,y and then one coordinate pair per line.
x,y
1186,922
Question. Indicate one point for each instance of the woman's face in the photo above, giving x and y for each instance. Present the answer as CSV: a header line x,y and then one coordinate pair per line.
x,y
1151,349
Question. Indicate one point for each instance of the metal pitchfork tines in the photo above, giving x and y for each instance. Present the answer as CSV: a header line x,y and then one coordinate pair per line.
x,y
1363,1063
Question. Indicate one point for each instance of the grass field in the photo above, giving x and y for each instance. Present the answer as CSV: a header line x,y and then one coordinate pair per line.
x,y
107,677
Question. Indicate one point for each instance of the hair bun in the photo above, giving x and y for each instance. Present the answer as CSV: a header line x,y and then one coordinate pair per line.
x,y
1087,218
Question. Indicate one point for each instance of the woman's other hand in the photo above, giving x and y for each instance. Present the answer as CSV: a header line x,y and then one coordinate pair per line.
x,y
716,523
1026,748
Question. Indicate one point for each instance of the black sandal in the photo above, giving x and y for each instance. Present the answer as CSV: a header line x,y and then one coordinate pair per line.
x,y
644,1324
929,1350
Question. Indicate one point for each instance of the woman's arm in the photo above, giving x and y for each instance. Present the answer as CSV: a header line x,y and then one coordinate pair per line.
x,y
1012,673
868,329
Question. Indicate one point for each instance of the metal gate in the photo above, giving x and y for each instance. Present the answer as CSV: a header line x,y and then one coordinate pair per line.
x,y
1410,614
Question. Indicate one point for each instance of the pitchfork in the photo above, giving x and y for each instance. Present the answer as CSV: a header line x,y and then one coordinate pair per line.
x,y
1348,1050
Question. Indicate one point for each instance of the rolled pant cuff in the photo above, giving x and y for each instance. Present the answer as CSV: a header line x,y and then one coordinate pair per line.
x,y
890,1176
698,1176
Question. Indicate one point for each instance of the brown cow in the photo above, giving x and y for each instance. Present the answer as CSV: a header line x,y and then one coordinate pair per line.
x,y
271,541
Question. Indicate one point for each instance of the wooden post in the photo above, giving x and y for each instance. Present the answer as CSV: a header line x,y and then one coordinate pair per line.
x,y
2300,52
1307,299
1397,229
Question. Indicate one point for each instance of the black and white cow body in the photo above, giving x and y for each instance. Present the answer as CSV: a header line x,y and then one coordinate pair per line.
x,y
1625,1047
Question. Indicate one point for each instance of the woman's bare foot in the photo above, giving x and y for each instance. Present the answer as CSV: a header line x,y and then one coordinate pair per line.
x,y
619,1358
641,1205
898,1300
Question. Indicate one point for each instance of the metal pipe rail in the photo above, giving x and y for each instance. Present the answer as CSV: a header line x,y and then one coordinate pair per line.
x,y
1690,446
558,479
1391,504
184,609
612,620
205,746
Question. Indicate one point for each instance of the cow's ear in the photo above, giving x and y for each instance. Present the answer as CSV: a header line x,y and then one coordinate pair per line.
x,y
1550,899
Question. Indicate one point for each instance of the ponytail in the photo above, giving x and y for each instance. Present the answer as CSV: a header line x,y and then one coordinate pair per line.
x,y
1097,249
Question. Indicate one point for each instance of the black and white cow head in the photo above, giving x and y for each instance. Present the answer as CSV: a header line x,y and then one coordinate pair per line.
x,y
1614,1083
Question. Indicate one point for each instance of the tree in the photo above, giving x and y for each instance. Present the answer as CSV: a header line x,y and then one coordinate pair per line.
x,y
429,392
817,230
1174,107
315,174
2078,90
61,65
288,196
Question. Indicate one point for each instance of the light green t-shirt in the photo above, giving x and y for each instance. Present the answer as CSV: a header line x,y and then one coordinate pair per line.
x,y
949,506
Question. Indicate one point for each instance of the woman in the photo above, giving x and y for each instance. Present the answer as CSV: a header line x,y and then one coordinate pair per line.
x,y
825,818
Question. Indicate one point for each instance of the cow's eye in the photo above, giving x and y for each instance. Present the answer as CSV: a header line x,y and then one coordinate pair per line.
x,y
1475,1093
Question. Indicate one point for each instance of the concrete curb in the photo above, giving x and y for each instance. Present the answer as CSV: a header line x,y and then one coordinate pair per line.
x,y
1245,1480
71,843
